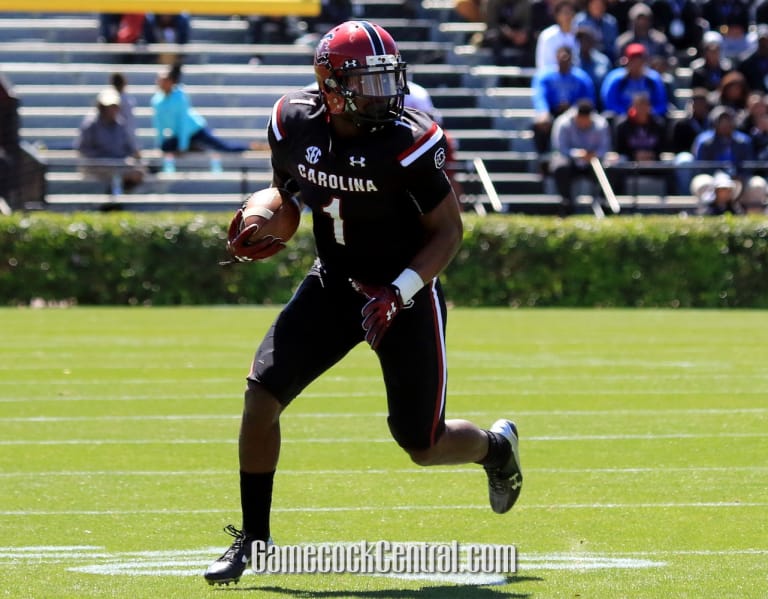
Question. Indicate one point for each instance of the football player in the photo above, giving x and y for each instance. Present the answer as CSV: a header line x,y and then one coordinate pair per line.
x,y
386,223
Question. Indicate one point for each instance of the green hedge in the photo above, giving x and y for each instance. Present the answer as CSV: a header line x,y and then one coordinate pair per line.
x,y
172,258
627,261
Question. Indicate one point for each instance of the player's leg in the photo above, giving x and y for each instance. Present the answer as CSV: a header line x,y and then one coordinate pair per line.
x,y
311,334
413,360
259,449
561,168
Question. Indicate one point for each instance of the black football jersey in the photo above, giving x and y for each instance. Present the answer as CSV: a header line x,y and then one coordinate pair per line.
x,y
366,193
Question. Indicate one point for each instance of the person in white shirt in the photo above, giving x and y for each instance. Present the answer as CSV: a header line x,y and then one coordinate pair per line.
x,y
562,33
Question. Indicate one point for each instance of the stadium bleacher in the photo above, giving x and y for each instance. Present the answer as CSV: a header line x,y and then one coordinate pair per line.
x,y
57,68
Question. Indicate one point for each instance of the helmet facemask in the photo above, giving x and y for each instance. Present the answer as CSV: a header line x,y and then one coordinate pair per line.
x,y
375,94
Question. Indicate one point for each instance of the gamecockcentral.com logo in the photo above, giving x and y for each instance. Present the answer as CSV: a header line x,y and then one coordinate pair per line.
x,y
383,557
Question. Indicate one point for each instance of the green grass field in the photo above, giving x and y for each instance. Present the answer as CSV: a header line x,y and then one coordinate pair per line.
x,y
644,440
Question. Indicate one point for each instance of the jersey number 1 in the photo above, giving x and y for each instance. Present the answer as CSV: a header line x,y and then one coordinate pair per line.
x,y
334,211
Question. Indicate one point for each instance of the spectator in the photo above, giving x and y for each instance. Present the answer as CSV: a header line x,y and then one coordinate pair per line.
x,y
602,23
555,36
127,104
663,68
754,66
754,123
178,126
731,18
720,194
717,194
166,29
109,23
732,148
733,91
508,32
640,31
104,137
577,135
620,11
755,206
621,83
542,15
590,60
683,134
121,28
722,13
10,145
684,131
554,92
271,30
640,136
332,12
708,70
680,21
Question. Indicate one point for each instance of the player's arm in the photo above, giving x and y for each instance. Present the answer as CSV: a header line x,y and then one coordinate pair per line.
x,y
443,231
442,228
240,245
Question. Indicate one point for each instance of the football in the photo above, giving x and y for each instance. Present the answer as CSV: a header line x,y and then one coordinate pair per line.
x,y
275,213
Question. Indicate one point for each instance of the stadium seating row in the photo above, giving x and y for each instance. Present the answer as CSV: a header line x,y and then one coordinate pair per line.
x,y
58,68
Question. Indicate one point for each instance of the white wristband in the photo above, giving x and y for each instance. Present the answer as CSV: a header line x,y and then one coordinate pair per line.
x,y
408,282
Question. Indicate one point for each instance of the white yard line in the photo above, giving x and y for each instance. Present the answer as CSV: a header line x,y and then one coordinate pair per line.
x,y
602,392
367,440
447,470
398,508
348,415
191,562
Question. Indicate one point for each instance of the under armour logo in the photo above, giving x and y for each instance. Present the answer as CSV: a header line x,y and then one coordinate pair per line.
x,y
351,63
515,482
357,161
312,154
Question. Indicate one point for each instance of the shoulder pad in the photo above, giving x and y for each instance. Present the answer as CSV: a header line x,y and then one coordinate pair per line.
x,y
294,107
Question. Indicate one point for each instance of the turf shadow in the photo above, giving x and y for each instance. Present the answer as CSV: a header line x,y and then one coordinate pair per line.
x,y
428,592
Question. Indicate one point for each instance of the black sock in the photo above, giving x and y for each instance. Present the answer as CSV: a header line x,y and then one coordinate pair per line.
x,y
499,451
256,502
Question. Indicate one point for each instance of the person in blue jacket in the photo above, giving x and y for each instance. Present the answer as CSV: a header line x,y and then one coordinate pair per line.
x,y
178,126
622,83
555,90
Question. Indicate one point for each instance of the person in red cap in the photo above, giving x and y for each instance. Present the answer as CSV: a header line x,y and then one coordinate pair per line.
x,y
634,76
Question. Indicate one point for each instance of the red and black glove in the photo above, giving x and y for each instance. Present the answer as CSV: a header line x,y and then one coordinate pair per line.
x,y
240,246
384,303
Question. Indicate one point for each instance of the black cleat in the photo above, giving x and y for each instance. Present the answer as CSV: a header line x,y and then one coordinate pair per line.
x,y
505,482
230,566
